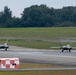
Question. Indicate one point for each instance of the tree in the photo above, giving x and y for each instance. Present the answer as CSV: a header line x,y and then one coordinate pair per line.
x,y
5,15
38,16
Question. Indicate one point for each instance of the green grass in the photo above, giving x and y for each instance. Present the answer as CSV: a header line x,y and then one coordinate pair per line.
x,y
45,33
67,72
36,37
36,65
35,44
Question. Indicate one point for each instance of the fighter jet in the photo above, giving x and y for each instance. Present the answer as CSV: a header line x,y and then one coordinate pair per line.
x,y
4,46
67,47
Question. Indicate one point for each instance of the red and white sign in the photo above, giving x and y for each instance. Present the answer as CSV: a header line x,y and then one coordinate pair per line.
x,y
9,63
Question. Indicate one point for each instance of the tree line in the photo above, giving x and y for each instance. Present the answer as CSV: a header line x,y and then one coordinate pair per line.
x,y
39,16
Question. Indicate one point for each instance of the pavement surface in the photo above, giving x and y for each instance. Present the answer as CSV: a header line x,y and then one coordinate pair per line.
x,y
41,56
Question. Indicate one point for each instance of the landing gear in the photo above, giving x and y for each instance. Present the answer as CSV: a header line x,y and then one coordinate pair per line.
x,y
62,50
66,50
5,49
69,50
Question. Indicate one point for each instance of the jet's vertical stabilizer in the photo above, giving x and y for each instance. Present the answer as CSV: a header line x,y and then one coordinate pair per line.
x,y
6,43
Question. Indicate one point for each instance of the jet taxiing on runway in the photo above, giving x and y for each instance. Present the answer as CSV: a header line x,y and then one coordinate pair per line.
x,y
4,46
67,47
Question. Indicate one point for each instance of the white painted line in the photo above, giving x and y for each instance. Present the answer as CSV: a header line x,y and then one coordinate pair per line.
x,y
62,56
39,53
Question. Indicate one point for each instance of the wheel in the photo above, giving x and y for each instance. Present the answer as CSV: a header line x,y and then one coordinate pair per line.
x,y
5,49
62,50
69,50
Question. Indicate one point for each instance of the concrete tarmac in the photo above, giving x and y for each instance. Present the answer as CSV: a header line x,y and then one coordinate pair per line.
x,y
41,56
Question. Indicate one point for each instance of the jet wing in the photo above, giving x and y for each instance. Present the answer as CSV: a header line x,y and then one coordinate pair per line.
x,y
73,47
55,47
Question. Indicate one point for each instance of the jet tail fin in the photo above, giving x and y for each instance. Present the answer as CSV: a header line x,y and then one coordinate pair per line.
x,y
6,42
60,43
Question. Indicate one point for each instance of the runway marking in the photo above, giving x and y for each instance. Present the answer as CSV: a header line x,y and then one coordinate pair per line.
x,y
39,53
22,52
62,56
38,69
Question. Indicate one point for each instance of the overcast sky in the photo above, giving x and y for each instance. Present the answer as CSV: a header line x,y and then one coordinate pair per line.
x,y
17,6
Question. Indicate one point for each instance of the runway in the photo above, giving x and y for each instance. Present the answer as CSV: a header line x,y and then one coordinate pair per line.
x,y
40,56
37,69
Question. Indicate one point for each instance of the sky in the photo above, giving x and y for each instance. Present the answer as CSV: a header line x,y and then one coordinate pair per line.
x,y
17,6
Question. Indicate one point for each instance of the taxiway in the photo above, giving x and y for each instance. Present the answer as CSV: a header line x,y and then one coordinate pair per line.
x,y
40,56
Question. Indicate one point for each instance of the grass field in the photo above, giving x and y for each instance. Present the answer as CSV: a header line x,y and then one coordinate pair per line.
x,y
39,33
37,37
67,72
35,65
